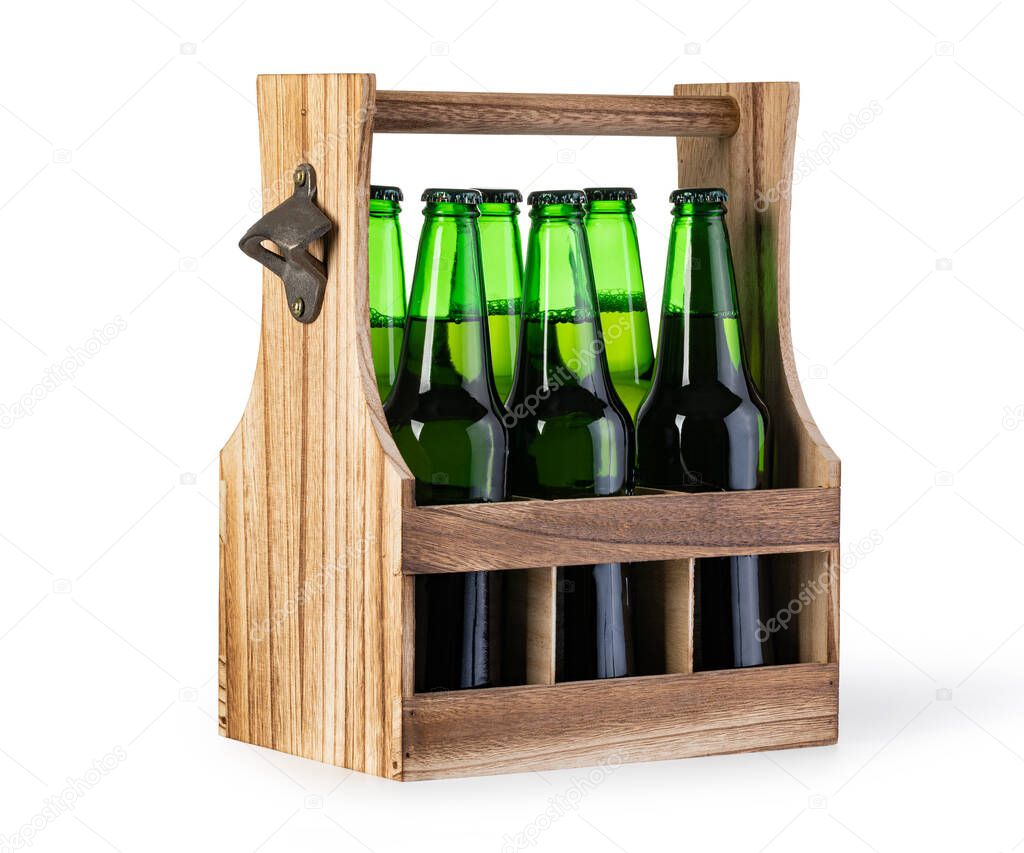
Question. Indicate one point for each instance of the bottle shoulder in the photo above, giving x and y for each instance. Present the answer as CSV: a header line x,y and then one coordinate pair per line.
x,y
571,404
706,400
442,403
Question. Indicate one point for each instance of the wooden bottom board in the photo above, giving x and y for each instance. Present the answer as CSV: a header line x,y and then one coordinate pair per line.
x,y
538,727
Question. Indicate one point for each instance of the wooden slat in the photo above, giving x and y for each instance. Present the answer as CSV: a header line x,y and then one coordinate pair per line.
x,y
477,732
509,113
521,534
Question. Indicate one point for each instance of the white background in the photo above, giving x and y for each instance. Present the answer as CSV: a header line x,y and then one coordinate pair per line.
x,y
130,170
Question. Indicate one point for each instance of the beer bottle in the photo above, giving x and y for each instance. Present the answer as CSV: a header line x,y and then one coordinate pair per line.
x,y
387,285
502,254
571,435
446,418
704,427
611,233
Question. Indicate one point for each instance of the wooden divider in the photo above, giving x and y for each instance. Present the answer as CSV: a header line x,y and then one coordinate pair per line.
x,y
525,608
663,616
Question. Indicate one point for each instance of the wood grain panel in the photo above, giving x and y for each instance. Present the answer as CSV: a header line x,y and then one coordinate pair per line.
x,y
311,592
663,616
521,534
468,733
600,115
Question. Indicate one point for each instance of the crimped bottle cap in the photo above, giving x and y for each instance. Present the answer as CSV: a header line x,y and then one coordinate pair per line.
x,y
556,197
699,195
383,193
500,196
610,193
438,195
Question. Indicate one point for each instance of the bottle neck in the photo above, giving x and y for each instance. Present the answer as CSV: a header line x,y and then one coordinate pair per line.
x,y
562,328
385,265
501,250
615,253
447,283
701,338
446,343
559,276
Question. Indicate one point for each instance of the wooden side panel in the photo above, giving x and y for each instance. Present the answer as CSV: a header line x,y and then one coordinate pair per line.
x,y
468,733
523,534
755,166
311,585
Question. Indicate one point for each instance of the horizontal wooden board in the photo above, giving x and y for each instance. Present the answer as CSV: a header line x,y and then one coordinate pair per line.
x,y
591,115
478,732
666,526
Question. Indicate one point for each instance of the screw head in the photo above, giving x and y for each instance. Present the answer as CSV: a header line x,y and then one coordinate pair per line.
x,y
298,306
300,177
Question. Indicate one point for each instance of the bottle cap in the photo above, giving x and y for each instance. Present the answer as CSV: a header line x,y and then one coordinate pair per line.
x,y
556,197
699,195
382,193
610,193
436,195
500,196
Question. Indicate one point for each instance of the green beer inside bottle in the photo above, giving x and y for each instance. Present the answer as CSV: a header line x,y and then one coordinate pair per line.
x,y
446,418
615,254
501,250
571,435
704,426
386,269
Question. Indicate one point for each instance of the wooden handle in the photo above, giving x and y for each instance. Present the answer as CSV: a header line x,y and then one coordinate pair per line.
x,y
519,114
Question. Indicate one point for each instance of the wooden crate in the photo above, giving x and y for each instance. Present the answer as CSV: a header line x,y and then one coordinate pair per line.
x,y
321,540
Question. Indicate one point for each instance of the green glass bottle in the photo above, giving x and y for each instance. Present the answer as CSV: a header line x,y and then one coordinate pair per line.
x,y
502,253
615,253
386,269
570,435
446,418
704,426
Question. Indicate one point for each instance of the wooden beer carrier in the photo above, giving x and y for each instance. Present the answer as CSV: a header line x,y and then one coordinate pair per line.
x,y
321,539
